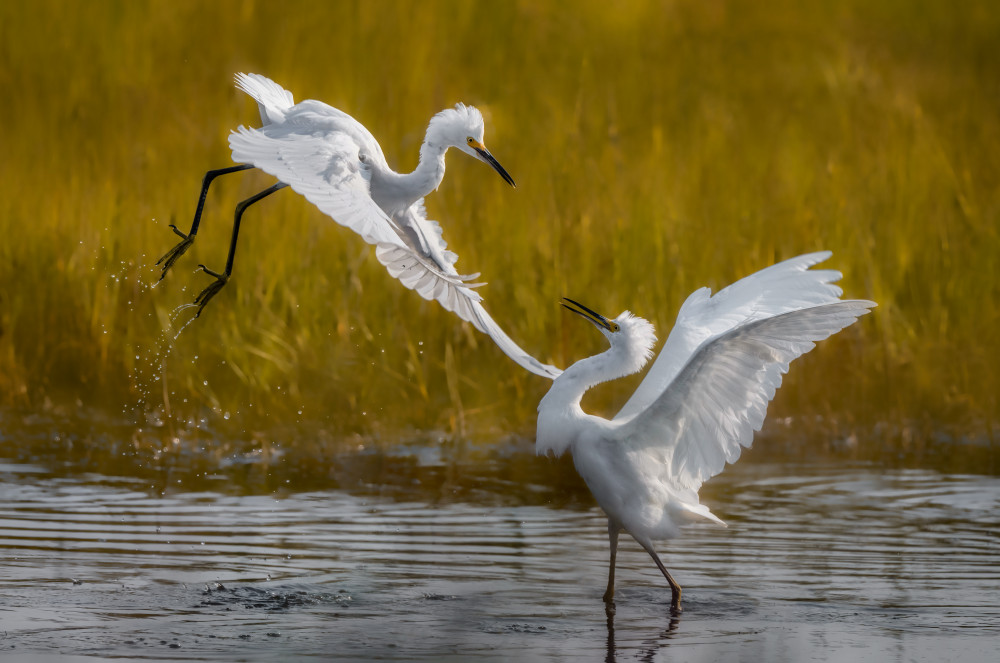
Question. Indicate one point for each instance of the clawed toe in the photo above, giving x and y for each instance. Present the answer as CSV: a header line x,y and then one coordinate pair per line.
x,y
211,290
171,256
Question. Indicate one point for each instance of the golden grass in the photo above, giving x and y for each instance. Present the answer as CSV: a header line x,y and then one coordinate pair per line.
x,y
658,147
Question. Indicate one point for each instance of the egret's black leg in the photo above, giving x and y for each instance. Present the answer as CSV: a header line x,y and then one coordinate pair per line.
x,y
173,254
221,279
675,589
613,530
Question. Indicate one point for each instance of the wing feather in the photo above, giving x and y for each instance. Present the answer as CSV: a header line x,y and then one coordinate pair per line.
x,y
272,99
427,236
457,296
780,288
325,170
712,408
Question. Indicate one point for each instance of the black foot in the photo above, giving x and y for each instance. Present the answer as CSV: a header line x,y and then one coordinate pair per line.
x,y
213,288
173,254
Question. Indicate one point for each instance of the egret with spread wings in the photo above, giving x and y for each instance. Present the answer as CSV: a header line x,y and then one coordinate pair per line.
x,y
331,159
700,403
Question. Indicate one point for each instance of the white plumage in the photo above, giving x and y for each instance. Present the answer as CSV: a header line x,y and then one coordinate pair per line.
x,y
335,162
701,402
331,159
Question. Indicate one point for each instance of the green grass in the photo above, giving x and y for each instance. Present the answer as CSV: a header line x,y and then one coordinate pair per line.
x,y
658,147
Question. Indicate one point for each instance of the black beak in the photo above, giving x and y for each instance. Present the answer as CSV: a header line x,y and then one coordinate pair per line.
x,y
587,313
488,158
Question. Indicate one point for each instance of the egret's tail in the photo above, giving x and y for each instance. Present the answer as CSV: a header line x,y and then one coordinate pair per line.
x,y
697,512
272,99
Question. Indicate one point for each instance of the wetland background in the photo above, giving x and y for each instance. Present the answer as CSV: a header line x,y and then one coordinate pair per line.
x,y
658,148
326,465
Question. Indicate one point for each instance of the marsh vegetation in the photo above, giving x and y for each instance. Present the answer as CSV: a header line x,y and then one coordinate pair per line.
x,y
657,149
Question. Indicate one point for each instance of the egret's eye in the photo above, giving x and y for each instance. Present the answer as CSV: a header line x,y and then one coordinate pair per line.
x,y
614,326
470,140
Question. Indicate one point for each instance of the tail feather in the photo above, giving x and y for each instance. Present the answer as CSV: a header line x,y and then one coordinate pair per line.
x,y
696,512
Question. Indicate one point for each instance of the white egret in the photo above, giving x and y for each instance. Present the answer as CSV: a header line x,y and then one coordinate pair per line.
x,y
335,162
700,403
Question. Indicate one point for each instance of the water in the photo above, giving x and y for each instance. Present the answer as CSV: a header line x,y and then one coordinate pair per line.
x,y
826,562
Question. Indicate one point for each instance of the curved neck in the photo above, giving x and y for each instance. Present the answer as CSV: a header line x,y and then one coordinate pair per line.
x,y
427,176
568,389
560,416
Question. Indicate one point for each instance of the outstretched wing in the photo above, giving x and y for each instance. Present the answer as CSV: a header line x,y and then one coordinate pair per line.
x,y
434,277
427,237
482,321
717,401
317,155
325,169
780,288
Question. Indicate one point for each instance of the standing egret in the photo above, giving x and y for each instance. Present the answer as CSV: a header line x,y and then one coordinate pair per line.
x,y
700,403
331,159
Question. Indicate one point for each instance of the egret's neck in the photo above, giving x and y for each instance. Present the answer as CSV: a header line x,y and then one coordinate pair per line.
x,y
395,192
560,417
431,166
568,389
428,174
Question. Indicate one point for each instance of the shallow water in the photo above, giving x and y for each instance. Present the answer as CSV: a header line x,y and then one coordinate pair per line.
x,y
825,562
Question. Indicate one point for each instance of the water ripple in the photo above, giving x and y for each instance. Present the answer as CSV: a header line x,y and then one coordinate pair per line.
x,y
846,557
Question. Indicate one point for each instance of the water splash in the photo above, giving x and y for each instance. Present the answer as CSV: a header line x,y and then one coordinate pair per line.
x,y
149,373
174,315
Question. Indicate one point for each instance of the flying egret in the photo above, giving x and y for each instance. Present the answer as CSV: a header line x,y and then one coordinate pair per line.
x,y
331,159
700,403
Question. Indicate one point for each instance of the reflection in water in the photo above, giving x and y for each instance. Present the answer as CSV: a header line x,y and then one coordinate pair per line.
x,y
659,643
652,645
817,563
609,610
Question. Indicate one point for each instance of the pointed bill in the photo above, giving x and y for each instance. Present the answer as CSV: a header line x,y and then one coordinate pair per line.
x,y
587,313
485,155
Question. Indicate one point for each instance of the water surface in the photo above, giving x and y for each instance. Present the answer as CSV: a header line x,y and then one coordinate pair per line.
x,y
822,562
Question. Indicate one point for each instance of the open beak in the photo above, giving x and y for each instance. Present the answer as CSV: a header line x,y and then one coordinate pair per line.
x,y
589,314
485,155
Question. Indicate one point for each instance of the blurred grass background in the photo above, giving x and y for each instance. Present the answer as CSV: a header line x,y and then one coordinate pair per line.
x,y
658,147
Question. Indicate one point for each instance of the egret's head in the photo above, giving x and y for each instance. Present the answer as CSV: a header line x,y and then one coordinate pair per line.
x,y
631,337
463,127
